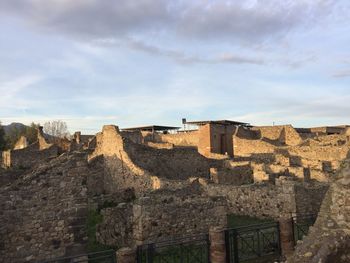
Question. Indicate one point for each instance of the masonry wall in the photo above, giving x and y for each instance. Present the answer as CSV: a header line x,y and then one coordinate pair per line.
x,y
329,239
309,198
130,165
285,134
43,213
31,155
267,200
262,201
174,214
237,175
185,139
176,163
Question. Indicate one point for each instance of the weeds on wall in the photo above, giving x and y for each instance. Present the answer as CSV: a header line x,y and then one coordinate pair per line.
x,y
94,218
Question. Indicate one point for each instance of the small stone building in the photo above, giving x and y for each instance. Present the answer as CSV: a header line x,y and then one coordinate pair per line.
x,y
216,136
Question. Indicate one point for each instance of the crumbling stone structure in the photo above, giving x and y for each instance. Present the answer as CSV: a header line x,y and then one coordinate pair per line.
x,y
43,212
148,188
329,239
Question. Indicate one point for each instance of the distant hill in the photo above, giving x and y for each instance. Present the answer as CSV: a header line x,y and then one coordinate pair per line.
x,y
14,125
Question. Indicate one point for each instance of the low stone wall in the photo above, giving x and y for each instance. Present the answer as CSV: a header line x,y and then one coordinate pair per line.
x,y
262,201
160,145
184,139
247,147
43,213
238,175
285,198
31,155
174,214
176,164
285,134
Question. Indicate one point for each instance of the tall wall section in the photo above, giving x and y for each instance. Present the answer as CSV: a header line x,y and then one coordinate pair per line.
x,y
43,213
328,240
132,165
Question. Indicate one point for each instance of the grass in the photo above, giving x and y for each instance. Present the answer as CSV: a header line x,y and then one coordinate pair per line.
x,y
94,218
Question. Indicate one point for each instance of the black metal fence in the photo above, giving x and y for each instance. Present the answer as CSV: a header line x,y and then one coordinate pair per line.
x,y
301,225
194,249
251,242
107,256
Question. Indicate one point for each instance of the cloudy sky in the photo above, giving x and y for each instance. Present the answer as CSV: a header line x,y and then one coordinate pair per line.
x,y
126,62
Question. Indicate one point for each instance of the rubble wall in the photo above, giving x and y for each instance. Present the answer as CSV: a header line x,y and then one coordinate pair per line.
x,y
43,213
267,200
185,139
168,215
31,155
329,239
176,163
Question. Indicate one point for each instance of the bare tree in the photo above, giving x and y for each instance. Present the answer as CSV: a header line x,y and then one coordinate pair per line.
x,y
56,128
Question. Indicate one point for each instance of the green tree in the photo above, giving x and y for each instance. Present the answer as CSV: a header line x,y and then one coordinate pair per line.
x,y
31,132
13,136
2,138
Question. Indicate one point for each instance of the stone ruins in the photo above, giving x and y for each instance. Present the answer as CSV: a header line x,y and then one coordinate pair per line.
x,y
149,184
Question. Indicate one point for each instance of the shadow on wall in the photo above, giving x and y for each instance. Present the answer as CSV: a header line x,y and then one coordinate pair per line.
x,y
176,163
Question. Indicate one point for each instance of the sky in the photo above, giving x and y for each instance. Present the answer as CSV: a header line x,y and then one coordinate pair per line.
x,y
142,62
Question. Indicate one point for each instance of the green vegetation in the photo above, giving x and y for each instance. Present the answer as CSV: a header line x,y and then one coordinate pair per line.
x,y
30,132
234,221
2,138
94,218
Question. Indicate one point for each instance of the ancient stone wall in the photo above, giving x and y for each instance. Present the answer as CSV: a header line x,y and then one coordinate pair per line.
x,y
116,229
130,165
134,136
237,175
247,147
185,139
328,240
160,145
31,155
119,170
21,143
27,157
309,197
267,200
164,215
176,163
262,201
43,213
285,134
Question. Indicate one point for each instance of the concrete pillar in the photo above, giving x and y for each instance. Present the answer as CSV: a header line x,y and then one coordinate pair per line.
x,y
217,245
286,236
126,255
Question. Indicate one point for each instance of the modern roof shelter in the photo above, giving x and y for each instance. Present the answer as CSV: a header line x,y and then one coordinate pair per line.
x,y
219,122
151,128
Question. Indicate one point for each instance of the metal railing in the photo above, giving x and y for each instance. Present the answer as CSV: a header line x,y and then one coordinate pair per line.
x,y
301,225
251,242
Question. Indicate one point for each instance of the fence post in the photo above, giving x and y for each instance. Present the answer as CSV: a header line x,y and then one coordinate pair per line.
x,y
126,255
286,235
217,245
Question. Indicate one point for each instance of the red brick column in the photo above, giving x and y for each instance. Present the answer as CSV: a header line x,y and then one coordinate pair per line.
x,y
217,245
286,235
126,255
